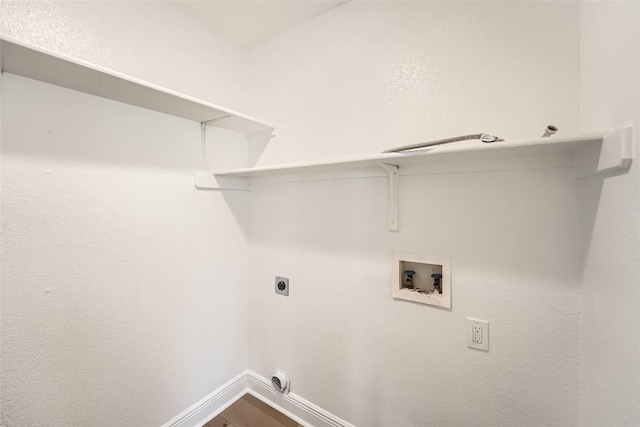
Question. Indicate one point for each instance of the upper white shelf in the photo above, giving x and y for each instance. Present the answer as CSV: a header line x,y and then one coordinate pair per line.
x,y
615,153
51,67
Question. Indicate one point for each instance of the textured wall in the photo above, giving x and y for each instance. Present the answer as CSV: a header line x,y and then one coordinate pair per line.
x,y
374,361
372,75
104,328
111,293
610,327
123,288
151,40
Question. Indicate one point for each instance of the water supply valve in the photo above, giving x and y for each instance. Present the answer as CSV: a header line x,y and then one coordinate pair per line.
x,y
437,287
408,281
424,279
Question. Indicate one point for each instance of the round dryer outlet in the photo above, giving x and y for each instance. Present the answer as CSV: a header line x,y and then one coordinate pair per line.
x,y
280,381
282,286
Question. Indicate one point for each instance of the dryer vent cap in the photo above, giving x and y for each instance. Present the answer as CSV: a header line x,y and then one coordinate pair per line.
x,y
280,381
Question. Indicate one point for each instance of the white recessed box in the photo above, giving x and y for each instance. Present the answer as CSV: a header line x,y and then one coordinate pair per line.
x,y
430,282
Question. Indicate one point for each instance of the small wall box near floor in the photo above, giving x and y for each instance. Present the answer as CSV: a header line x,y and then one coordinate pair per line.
x,y
40,64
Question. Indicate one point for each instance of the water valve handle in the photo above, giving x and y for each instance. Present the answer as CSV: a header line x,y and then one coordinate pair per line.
x,y
409,278
436,276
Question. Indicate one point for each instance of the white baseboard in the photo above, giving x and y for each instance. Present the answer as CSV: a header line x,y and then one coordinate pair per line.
x,y
291,405
211,405
295,407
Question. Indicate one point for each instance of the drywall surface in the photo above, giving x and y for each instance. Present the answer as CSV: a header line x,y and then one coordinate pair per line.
x,y
153,41
373,75
375,361
123,288
129,333
610,326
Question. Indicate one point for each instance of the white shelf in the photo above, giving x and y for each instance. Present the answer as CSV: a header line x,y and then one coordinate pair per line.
x,y
590,154
618,144
593,153
50,67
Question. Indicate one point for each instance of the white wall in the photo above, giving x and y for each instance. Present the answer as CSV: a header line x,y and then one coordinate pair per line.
x,y
373,361
123,288
610,325
372,75
151,40
141,329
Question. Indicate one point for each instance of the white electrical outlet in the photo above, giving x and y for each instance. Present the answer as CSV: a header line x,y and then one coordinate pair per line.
x,y
478,334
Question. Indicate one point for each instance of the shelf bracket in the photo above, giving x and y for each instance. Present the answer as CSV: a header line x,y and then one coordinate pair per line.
x,y
208,181
203,130
612,156
258,142
394,199
617,151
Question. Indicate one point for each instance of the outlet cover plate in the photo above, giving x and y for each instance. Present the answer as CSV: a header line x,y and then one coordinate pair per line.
x,y
282,286
478,334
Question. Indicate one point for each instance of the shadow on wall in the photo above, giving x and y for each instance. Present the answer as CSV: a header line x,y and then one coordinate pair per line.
x,y
513,236
115,270
47,121
590,190
44,122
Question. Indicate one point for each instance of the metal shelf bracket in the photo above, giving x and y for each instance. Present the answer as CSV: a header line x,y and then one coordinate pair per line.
x,y
203,130
394,197
617,151
208,181
612,156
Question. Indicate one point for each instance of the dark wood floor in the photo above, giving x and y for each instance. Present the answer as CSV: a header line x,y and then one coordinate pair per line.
x,y
251,412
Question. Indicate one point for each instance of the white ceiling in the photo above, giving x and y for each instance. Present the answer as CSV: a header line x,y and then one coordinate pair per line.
x,y
250,22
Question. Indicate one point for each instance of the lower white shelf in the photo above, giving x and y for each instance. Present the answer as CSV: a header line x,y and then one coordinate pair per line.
x,y
591,154
615,152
